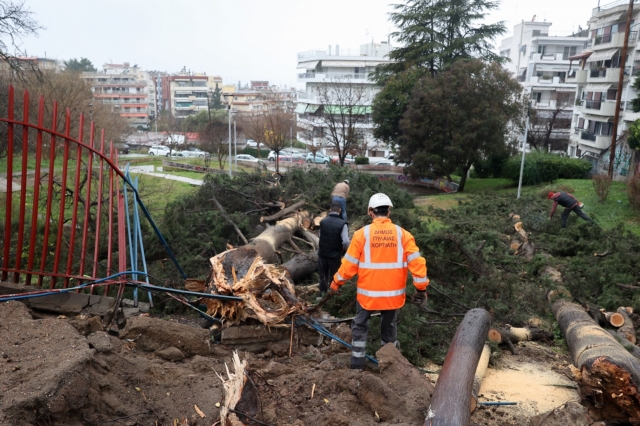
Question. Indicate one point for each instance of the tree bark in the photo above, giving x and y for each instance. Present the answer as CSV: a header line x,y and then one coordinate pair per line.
x,y
302,265
608,372
283,212
451,401
239,399
481,370
622,339
627,328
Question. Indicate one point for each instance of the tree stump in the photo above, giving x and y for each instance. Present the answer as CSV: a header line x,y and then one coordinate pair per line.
x,y
452,396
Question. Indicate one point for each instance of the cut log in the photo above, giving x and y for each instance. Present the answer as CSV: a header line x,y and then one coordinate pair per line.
x,y
481,370
248,272
622,339
614,318
627,327
241,402
502,336
598,316
452,396
317,219
519,334
301,265
282,213
609,375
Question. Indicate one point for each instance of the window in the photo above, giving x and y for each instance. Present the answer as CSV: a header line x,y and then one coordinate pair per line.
x,y
569,51
611,94
538,96
541,49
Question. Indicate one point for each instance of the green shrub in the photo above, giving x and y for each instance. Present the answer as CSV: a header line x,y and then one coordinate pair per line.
x,y
490,167
362,160
633,192
539,168
253,151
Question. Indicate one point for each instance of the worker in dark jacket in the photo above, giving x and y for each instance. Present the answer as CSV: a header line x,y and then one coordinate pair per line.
x,y
570,204
334,241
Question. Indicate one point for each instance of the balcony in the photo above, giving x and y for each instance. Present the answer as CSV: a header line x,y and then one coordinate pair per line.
x,y
602,108
614,40
595,140
586,135
307,75
580,77
606,75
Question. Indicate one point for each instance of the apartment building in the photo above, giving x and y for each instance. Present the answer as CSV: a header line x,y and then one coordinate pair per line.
x,y
258,97
186,93
31,62
335,67
541,64
597,72
122,87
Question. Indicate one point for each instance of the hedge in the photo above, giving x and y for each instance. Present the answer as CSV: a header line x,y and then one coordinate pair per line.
x,y
539,168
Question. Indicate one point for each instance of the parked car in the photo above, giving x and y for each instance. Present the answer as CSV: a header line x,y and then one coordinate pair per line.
x,y
284,156
247,157
195,152
318,159
251,143
349,159
159,150
122,147
384,162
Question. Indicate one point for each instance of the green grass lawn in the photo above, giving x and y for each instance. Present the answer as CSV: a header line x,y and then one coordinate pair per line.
x,y
613,211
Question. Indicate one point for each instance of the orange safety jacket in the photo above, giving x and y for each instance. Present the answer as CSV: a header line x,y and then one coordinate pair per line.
x,y
380,255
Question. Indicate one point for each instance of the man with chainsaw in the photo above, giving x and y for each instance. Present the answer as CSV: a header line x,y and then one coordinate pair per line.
x,y
570,204
381,254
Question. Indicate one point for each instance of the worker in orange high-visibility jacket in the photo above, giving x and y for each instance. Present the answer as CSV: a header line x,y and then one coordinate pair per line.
x,y
381,254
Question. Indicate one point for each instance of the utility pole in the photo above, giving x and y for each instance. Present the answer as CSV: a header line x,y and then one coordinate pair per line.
x,y
524,147
616,118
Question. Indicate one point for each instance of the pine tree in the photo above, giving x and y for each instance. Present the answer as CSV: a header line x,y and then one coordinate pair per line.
x,y
216,101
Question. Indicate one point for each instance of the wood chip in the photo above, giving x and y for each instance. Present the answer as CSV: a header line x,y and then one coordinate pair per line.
x,y
313,389
199,411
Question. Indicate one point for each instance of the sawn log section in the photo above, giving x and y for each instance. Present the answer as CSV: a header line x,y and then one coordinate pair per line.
x,y
609,375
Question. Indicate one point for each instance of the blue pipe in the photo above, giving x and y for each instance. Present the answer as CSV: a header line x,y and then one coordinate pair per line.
x,y
497,403
131,255
322,329
142,255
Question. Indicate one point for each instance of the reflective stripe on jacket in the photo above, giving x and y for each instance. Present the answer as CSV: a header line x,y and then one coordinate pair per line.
x,y
382,254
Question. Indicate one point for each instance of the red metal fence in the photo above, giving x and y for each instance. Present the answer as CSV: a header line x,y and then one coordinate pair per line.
x,y
64,215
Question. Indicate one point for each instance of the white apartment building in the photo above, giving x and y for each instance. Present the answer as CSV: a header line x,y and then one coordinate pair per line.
x,y
335,66
541,64
597,75
122,87
187,93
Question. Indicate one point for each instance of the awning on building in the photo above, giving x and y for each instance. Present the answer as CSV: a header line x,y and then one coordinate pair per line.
x,y
374,63
603,55
543,88
343,109
566,89
580,56
310,65
300,108
343,64
607,20
183,92
597,87
311,108
549,67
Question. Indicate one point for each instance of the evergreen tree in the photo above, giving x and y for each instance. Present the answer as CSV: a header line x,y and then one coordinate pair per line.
x,y
81,65
216,98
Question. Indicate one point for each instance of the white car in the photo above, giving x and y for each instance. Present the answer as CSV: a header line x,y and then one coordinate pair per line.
x,y
195,152
251,143
385,162
247,157
160,150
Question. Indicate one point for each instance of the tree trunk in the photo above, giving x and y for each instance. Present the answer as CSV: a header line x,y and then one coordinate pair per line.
x,y
517,334
481,370
622,339
248,270
451,399
463,178
302,265
608,372
284,212
614,318
627,327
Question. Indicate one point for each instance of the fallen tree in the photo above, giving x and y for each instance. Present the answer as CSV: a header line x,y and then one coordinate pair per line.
x,y
248,272
510,335
478,377
608,375
451,401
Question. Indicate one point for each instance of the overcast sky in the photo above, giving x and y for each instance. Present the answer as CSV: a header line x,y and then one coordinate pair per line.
x,y
240,40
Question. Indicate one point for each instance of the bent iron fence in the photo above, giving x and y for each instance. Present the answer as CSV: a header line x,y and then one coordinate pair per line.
x,y
67,214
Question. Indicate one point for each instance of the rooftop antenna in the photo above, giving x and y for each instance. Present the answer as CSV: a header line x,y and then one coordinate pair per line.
x,y
367,36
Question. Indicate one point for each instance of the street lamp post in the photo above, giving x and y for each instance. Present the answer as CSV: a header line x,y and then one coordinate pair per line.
x,y
229,98
235,141
524,147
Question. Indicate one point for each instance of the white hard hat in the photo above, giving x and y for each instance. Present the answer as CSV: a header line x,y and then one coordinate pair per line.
x,y
378,200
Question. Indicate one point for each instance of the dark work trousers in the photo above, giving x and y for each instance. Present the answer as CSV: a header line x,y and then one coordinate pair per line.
x,y
360,327
577,210
327,268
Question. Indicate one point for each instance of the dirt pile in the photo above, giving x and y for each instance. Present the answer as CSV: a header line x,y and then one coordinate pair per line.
x,y
160,370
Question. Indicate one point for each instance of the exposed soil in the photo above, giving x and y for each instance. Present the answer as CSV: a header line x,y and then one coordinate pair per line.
x,y
159,371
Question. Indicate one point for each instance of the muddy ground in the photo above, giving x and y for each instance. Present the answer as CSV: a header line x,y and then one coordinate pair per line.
x,y
66,371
